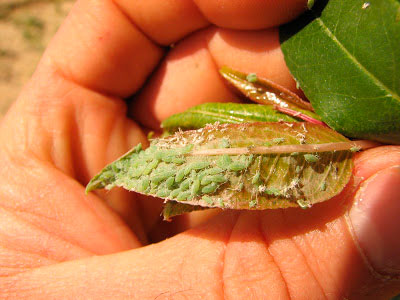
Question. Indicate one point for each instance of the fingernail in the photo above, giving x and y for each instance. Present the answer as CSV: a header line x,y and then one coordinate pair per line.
x,y
375,219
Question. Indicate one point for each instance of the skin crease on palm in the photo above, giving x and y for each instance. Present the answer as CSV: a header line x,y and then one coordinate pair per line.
x,y
70,121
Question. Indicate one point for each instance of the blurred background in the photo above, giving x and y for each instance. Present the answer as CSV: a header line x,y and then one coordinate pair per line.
x,y
26,27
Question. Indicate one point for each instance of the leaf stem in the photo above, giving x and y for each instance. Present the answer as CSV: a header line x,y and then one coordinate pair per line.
x,y
297,114
340,146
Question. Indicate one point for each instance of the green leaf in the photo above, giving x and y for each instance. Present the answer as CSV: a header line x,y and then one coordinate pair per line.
x,y
209,113
239,166
346,57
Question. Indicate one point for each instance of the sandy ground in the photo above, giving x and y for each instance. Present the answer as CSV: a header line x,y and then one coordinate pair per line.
x,y
26,27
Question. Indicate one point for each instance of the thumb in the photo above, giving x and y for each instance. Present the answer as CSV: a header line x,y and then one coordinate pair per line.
x,y
374,219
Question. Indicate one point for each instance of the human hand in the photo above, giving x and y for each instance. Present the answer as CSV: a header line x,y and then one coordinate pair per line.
x,y
70,120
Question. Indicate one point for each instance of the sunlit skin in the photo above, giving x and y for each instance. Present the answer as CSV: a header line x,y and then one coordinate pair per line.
x,y
70,121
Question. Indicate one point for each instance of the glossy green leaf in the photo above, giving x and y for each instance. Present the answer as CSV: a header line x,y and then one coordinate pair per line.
x,y
239,166
209,113
346,57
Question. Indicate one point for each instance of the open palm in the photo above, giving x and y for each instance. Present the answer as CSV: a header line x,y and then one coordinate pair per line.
x,y
71,120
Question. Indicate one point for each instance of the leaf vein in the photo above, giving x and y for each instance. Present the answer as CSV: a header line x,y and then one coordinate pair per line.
x,y
356,62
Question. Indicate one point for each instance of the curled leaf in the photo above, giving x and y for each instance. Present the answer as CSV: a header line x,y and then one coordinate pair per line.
x,y
209,113
238,166
265,91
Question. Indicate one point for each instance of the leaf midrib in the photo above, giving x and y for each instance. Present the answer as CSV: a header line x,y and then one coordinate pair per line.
x,y
217,115
356,62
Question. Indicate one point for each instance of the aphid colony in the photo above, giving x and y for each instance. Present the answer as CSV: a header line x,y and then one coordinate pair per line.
x,y
174,174
244,166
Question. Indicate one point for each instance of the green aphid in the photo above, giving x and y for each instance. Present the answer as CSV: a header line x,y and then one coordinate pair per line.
x,y
149,153
193,174
173,152
132,185
186,149
159,155
153,188
252,203
162,193
224,143
210,188
214,171
278,140
178,160
150,166
170,156
311,158
170,182
107,175
150,135
294,153
323,186
202,174
218,178
207,200
137,172
211,171
138,148
138,187
221,203
135,162
252,77
185,184
256,178
240,186
237,166
161,176
355,149
175,193
304,204
179,176
183,196
224,161
115,168
120,164
144,184
298,169
273,192
268,144
167,159
198,165
195,187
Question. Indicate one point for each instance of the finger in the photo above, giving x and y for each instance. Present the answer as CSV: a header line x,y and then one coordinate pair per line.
x,y
117,61
187,266
254,14
46,218
78,138
189,75
100,48
164,21
168,21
